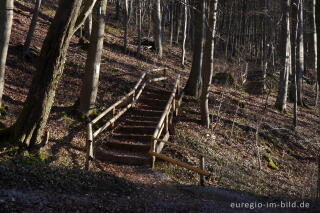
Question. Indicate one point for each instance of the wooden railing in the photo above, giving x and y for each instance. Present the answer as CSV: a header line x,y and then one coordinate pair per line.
x,y
164,122
200,170
158,143
117,110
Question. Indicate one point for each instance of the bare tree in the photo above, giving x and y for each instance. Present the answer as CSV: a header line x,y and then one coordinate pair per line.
x,y
194,83
89,88
157,27
208,63
6,16
32,27
281,102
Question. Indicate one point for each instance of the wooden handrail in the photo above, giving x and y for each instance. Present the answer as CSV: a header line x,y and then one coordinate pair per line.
x,y
186,149
160,126
135,94
181,164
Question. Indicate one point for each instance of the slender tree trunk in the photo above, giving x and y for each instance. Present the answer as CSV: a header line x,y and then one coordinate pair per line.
x,y
208,63
194,83
6,16
317,13
157,27
30,125
300,53
185,25
126,23
314,29
32,27
88,27
281,102
89,88
139,26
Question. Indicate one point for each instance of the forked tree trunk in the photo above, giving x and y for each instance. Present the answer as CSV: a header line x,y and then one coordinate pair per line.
x,y
30,125
194,83
281,102
32,27
157,27
208,63
6,15
89,88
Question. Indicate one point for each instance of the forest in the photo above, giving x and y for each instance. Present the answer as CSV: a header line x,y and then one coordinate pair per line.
x,y
159,106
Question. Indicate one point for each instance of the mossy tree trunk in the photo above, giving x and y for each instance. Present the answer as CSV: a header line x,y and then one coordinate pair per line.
x,y
208,63
6,16
30,125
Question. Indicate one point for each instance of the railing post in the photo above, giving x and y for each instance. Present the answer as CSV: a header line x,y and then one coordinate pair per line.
x,y
167,123
202,166
153,158
113,114
89,146
165,75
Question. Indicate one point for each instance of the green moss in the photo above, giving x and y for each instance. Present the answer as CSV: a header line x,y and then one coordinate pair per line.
x,y
110,28
271,164
223,78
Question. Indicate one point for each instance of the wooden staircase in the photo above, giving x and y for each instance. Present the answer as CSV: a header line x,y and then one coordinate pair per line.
x,y
130,141
139,117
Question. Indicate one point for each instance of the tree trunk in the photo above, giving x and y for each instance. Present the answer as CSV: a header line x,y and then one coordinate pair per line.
x,y
314,47
208,63
185,25
300,53
89,88
88,27
194,83
126,23
32,27
281,103
318,39
139,26
157,27
30,125
6,16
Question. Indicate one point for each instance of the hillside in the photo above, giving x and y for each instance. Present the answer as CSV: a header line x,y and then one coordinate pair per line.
x,y
57,181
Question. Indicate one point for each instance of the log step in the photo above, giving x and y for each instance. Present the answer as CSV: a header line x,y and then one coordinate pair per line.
x,y
133,137
121,157
145,112
127,146
129,122
135,130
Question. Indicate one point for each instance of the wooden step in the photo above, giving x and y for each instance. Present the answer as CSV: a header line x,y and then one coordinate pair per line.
x,y
159,96
146,112
129,122
139,118
121,157
152,102
156,90
128,146
135,130
133,137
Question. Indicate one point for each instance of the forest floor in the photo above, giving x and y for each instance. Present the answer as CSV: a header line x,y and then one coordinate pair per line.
x,y
57,181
